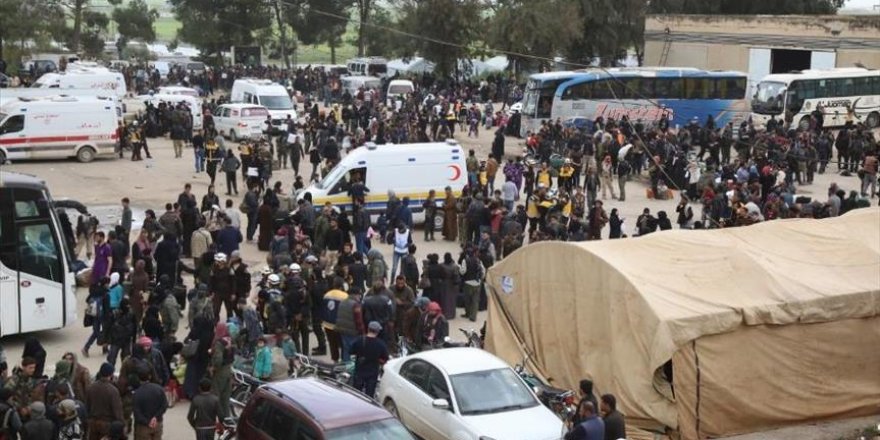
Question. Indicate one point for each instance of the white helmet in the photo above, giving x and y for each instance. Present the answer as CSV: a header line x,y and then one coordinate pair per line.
x,y
220,257
266,270
295,268
274,280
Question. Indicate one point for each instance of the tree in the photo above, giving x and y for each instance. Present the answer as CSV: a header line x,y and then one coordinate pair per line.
x,y
33,20
534,27
320,22
443,31
90,39
135,22
377,39
748,7
364,8
214,26
608,29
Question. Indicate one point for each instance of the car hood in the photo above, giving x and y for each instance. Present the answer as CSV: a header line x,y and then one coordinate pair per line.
x,y
535,423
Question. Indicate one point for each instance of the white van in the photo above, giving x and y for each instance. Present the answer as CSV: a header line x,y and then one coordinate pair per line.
x,y
263,92
58,127
178,90
237,121
367,66
354,83
194,104
96,79
410,170
397,91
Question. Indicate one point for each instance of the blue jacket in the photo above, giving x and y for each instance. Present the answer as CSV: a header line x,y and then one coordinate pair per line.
x,y
228,240
405,216
592,428
263,363
115,296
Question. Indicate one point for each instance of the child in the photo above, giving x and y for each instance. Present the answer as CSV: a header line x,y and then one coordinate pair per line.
x,y
289,349
263,361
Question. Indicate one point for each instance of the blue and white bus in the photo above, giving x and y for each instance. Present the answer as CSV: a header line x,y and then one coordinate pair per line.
x,y
643,93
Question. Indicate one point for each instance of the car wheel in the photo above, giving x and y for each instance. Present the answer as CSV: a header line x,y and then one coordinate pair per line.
x,y
391,407
86,154
238,400
873,120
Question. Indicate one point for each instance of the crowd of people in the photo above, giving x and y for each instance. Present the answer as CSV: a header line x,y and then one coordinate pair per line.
x,y
325,276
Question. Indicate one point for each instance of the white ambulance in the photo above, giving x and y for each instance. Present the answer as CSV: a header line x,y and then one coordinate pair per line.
x,y
58,127
410,170
99,79
266,93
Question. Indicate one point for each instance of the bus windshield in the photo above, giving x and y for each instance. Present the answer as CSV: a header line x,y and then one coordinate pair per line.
x,y
769,98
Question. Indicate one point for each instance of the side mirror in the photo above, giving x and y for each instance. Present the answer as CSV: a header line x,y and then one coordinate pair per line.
x,y
440,404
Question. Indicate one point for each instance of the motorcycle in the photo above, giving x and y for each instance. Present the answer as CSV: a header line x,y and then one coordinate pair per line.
x,y
562,402
306,366
243,387
472,340
227,432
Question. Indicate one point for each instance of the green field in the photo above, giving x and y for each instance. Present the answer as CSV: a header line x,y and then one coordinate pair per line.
x,y
166,28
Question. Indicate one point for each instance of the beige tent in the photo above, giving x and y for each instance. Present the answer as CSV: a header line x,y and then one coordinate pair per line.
x,y
767,325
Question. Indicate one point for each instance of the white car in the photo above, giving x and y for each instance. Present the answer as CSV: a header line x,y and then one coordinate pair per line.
x,y
464,394
237,121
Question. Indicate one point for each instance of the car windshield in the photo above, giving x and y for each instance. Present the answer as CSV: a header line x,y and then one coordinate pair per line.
x,y
769,98
388,429
276,102
491,391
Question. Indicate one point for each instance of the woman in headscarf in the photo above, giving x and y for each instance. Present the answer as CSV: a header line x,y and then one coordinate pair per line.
x,y
167,256
222,355
202,331
33,348
451,286
140,284
266,222
450,217
152,325
142,250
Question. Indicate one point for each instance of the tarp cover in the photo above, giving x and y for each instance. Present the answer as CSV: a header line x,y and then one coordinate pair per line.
x,y
615,311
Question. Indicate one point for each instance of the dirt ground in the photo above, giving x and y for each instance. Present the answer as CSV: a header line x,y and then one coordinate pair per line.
x,y
150,184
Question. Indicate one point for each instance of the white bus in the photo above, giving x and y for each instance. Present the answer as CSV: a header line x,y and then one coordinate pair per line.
x,y
36,282
840,94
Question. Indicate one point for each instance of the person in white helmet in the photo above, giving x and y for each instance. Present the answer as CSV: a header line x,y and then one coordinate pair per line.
x,y
222,286
275,312
296,301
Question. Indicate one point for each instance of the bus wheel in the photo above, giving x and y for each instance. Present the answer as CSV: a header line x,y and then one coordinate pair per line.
x,y
805,123
873,120
86,154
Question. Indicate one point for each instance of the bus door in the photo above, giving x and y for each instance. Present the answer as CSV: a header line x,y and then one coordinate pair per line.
x,y
40,265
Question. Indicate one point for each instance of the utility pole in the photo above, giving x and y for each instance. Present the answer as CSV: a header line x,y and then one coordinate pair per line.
x,y
282,28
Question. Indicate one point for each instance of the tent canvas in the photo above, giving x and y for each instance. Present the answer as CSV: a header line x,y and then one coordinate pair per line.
x,y
408,66
616,311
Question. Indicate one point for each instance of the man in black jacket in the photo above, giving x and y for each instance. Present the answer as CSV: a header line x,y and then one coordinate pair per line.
x,y
615,426
149,405
378,306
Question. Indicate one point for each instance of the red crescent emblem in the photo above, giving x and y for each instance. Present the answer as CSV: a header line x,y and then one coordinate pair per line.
x,y
457,171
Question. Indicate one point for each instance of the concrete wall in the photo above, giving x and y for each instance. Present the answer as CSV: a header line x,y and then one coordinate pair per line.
x,y
723,42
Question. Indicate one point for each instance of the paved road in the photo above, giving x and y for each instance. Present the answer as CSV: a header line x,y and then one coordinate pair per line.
x,y
150,184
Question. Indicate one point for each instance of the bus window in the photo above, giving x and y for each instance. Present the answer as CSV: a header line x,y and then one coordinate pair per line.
x,y
669,88
697,88
7,237
848,87
38,253
545,106
579,91
864,85
30,203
